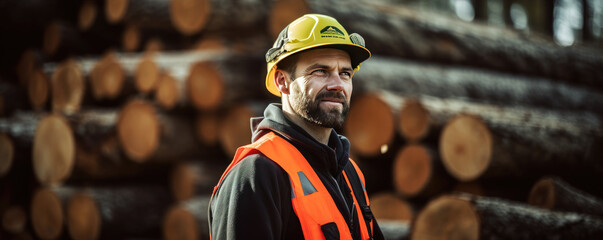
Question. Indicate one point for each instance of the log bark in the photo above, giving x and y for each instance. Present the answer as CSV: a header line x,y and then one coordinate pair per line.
x,y
149,135
370,124
194,178
235,128
418,172
494,141
469,217
188,220
394,230
390,207
438,38
108,212
555,194
14,219
190,17
412,78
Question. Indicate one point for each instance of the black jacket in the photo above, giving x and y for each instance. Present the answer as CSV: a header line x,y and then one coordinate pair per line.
x,y
254,199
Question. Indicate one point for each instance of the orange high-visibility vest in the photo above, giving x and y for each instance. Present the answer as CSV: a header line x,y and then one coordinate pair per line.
x,y
311,201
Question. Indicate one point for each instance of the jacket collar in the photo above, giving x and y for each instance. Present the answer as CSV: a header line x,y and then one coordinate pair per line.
x,y
331,158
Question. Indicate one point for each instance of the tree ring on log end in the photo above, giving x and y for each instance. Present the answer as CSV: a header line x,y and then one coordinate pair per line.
x,y
412,170
147,74
369,125
190,16
167,92
466,147
115,10
414,120
138,130
386,206
131,38
52,38
543,194
87,15
112,77
67,87
447,218
284,12
46,214
205,85
83,217
7,151
53,150
180,224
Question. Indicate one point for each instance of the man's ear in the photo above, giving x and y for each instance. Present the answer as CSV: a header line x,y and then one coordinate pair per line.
x,y
280,81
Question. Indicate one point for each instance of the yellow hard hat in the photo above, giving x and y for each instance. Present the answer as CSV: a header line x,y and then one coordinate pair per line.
x,y
312,31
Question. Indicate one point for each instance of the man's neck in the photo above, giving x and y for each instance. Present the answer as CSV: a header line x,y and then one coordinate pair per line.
x,y
321,134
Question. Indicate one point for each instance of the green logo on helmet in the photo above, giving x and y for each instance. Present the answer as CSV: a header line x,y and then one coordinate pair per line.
x,y
331,30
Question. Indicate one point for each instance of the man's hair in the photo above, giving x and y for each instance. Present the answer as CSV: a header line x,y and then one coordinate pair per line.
x,y
289,65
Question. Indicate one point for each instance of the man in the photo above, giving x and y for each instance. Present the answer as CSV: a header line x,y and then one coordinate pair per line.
x,y
295,181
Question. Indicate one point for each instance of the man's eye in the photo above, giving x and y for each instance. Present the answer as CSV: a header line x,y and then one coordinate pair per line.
x,y
319,72
346,74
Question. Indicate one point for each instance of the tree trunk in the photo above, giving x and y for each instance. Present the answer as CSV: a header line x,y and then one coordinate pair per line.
x,y
149,135
414,78
370,124
468,217
195,178
110,212
494,141
418,172
556,194
438,38
188,220
235,128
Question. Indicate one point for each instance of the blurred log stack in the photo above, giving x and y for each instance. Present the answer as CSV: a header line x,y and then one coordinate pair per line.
x,y
118,117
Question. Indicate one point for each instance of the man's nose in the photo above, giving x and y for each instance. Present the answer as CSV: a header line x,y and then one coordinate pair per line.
x,y
335,82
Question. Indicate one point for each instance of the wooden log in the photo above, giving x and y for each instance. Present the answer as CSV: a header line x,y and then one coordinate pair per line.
x,y
14,219
149,135
170,91
495,141
395,230
38,89
12,98
145,13
187,220
53,150
87,15
235,126
411,78
109,212
194,178
438,38
370,123
414,122
108,78
555,194
29,60
7,153
61,39
67,87
47,211
91,22
208,127
418,172
386,206
469,217
193,16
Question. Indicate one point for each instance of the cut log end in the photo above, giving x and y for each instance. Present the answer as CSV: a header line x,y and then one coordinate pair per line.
x,y
412,170
46,214
183,182
167,93
14,219
52,38
138,130
447,218
67,87
147,74
87,15
107,78
26,65
414,120
369,125
154,45
284,12
131,38
543,194
210,43
7,152
180,224
83,217
205,86
466,147
53,150
234,131
208,126
386,206
190,16
37,89
115,10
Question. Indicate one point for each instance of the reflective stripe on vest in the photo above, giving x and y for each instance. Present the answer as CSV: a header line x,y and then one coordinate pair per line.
x,y
311,201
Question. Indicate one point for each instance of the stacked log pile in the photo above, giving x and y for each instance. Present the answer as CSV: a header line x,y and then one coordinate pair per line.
x,y
118,120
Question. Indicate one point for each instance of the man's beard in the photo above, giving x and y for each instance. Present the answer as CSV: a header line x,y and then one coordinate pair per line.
x,y
309,109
